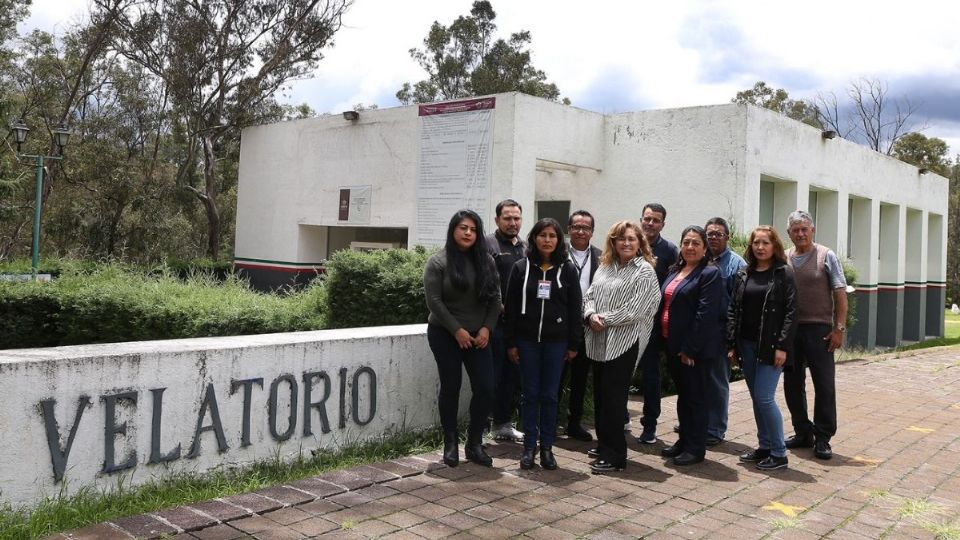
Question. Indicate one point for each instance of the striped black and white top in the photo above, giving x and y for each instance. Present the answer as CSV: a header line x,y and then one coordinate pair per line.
x,y
627,298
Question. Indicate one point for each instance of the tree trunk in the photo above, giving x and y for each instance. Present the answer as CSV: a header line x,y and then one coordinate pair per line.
x,y
210,197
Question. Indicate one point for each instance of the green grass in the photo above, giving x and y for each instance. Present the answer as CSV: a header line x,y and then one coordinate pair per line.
x,y
90,506
943,531
951,335
780,524
917,508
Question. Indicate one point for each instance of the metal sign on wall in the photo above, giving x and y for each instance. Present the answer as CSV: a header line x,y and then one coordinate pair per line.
x,y
354,207
456,140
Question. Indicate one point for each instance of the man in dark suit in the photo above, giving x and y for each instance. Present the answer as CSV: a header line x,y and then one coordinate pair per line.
x,y
586,258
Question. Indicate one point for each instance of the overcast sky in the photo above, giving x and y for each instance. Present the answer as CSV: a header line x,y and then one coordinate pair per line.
x,y
611,56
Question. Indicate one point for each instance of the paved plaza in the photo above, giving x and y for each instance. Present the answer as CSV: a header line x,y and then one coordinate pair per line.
x,y
895,474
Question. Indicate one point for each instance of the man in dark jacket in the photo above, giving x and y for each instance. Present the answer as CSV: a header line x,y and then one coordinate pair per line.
x,y
586,259
507,248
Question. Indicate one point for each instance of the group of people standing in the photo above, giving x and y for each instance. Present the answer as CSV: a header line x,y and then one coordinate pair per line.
x,y
523,314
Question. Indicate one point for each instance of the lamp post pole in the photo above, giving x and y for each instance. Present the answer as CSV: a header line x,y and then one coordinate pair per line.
x,y
38,200
61,136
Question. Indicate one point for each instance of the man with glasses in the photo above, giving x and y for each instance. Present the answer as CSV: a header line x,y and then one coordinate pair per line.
x,y
653,219
718,377
585,258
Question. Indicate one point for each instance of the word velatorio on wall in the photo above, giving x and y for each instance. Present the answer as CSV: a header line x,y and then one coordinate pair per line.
x,y
98,416
208,418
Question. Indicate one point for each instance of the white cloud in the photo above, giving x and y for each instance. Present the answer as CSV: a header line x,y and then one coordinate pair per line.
x,y
660,54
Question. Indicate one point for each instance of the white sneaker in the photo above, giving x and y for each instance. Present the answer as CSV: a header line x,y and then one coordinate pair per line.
x,y
506,432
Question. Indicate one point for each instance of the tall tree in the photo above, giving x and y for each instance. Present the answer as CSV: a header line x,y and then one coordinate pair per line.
x,y
222,61
871,117
463,60
924,152
778,99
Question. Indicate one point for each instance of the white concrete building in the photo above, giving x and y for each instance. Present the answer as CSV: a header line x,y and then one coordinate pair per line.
x,y
746,164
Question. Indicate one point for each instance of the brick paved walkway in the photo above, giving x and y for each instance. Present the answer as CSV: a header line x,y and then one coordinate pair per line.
x,y
895,474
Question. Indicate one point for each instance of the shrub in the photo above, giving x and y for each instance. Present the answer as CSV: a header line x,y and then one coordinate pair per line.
x,y
112,303
376,288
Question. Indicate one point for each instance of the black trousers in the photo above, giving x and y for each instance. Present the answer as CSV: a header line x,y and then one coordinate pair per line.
x,y
451,360
578,370
611,382
692,387
810,351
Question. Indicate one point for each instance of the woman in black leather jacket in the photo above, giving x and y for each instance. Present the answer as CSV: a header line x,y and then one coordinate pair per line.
x,y
761,323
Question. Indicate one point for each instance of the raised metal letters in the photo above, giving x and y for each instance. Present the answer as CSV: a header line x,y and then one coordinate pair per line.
x,y
209,402
111,430
320,406
272,408
59,456
155,418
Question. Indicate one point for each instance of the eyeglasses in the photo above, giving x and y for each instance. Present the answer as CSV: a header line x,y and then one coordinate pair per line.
x,y
580,228
716,235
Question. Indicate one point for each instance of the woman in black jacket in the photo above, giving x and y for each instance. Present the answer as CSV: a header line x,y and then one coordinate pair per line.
x,y
691,328
543,329
760,327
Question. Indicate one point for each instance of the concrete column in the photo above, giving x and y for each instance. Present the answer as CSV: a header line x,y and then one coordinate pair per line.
x,y
891,275
915,277
864,219
936,274
828,220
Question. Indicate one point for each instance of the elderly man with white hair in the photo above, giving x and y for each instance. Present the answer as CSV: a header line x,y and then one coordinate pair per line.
x,y
822,306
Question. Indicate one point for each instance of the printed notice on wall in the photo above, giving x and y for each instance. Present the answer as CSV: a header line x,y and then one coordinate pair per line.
x,y
456,139
354,205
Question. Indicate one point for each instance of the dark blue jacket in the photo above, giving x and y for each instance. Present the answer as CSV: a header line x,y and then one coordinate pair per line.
x,y
695,327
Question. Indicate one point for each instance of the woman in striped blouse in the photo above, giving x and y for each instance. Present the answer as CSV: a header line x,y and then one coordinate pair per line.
x,y
619,308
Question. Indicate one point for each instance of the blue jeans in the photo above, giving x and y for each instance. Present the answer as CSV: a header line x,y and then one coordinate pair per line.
x,y
762,380
718,398
451,360
506,378
541,366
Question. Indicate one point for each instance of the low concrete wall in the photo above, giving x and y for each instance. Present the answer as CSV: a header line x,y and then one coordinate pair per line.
x,y
96,415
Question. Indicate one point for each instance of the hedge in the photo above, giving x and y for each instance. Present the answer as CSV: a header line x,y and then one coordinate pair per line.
x,y
376,288
114,303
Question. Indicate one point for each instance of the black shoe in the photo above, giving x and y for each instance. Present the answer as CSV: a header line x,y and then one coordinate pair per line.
x,y
475,452
602,466
822,449
526,460
576,431
755,456
713,441
676,428
687,458
451,450
547,461
671,451
797,441
593,452
772,463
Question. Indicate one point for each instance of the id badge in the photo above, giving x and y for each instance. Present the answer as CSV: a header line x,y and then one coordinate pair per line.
x,y
543,290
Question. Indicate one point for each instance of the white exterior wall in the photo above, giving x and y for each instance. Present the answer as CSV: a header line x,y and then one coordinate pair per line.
x,y
691,160
406,398
791,151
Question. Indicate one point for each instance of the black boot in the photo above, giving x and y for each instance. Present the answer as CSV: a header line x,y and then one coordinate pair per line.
x,y
475,452
451,450
547,461
526,460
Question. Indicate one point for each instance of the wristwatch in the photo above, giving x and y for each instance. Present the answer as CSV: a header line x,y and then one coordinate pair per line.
x,y
841,327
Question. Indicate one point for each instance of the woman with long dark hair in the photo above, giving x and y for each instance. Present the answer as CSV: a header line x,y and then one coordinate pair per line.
x,y
543,329
761,324
619,307
691,327
463,296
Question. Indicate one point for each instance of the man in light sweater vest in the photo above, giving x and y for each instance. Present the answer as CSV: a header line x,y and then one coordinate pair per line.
x,y
822,306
